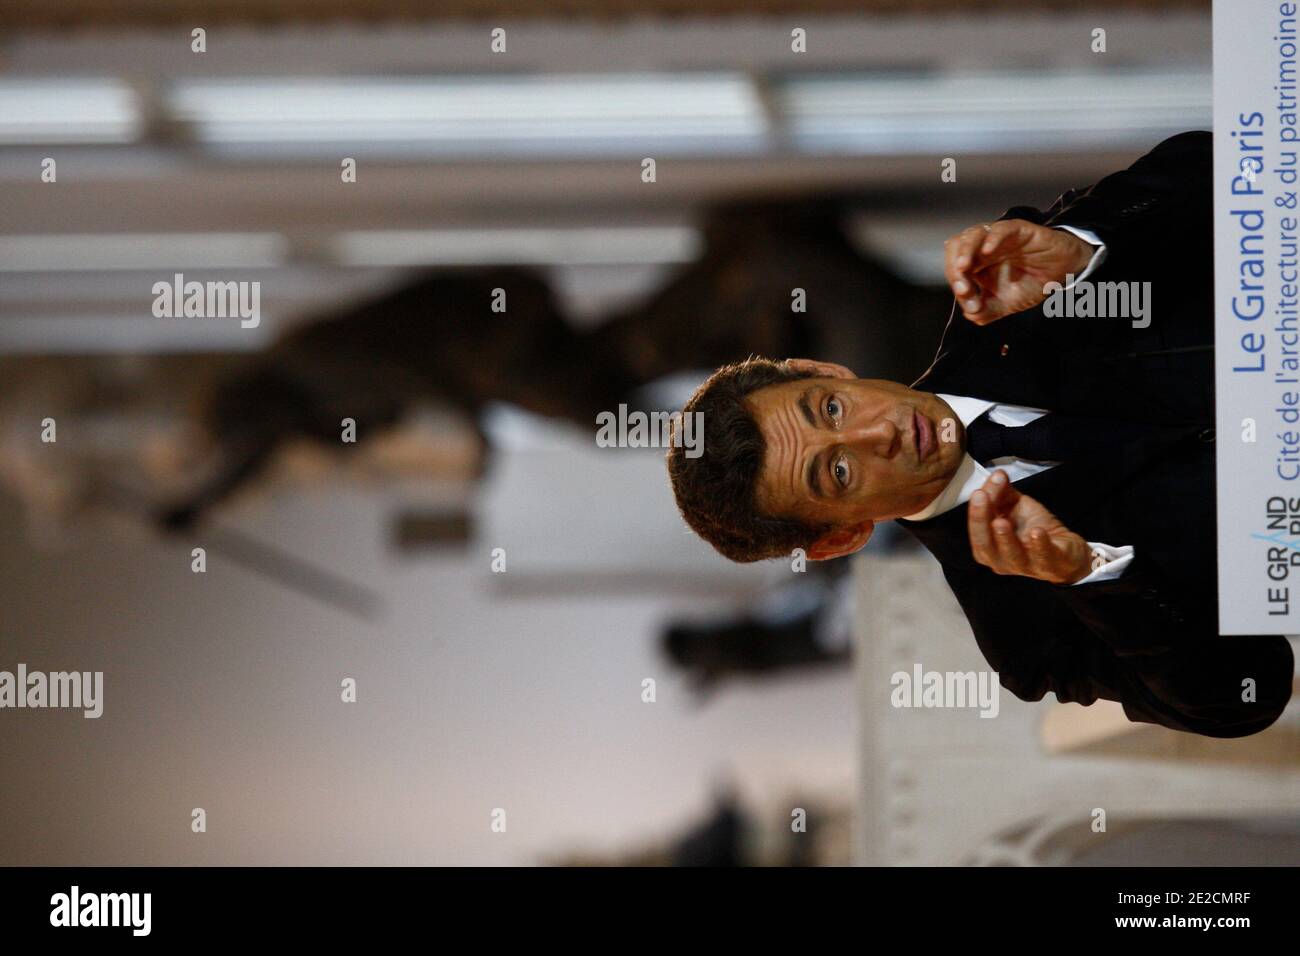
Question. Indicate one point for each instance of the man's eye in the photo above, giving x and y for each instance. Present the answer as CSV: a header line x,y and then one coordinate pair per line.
x,y
842,473
833,409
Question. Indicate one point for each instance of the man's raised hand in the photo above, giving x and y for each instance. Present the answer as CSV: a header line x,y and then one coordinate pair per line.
x,y
1011,533
1000,268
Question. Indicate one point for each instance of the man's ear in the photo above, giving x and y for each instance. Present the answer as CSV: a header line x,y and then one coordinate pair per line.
x,y
838,543
820,369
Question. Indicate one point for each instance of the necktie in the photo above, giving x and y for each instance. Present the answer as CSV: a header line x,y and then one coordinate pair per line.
x,y
1051,437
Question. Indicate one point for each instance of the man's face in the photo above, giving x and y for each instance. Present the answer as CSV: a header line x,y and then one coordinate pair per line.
x,y
843,450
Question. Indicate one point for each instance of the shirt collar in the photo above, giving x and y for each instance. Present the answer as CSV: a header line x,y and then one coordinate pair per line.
x,y
970,474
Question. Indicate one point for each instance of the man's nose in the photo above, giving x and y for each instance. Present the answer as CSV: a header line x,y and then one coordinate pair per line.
x,y
878,437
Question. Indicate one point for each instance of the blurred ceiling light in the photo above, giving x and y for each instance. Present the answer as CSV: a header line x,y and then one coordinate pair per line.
x,y
583,245
68,111
132,335
993,112
150,251
617,114
476,115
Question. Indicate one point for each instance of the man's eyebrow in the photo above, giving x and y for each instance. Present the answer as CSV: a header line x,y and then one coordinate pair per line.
x,y
806,408
813,476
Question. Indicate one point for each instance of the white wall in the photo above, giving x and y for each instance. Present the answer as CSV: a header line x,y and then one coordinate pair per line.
x,y
222,691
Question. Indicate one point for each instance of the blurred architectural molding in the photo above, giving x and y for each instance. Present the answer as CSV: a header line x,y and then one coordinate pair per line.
x,y
82,13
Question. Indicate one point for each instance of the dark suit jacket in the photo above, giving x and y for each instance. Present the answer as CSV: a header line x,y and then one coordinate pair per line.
x,y
1149,639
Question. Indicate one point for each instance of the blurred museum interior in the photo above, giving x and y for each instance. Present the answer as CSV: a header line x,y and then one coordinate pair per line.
x,y
500,588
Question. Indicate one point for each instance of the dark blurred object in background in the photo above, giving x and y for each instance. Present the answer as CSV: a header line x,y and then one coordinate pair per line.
x,y
438,338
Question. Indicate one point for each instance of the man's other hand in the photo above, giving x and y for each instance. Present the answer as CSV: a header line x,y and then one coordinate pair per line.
x,y
1000,268
1012,533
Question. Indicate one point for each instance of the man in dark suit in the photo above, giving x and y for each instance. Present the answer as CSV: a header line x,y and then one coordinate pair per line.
x,y
1061,470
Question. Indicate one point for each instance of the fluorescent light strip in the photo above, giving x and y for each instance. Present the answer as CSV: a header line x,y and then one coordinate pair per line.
x,y
986,111
611,114
636,245
575,246
467,114
124,334
92,111
199,250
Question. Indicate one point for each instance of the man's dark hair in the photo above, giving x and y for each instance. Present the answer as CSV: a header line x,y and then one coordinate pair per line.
x,y
717,491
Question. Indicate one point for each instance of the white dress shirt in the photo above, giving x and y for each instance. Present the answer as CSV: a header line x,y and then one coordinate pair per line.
x,y
1109,562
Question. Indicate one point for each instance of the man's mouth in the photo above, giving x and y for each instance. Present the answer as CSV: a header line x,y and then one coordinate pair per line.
x,y
923,430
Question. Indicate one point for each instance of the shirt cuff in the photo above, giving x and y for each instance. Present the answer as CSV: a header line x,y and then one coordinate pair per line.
x,y
1107,563
1098,257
